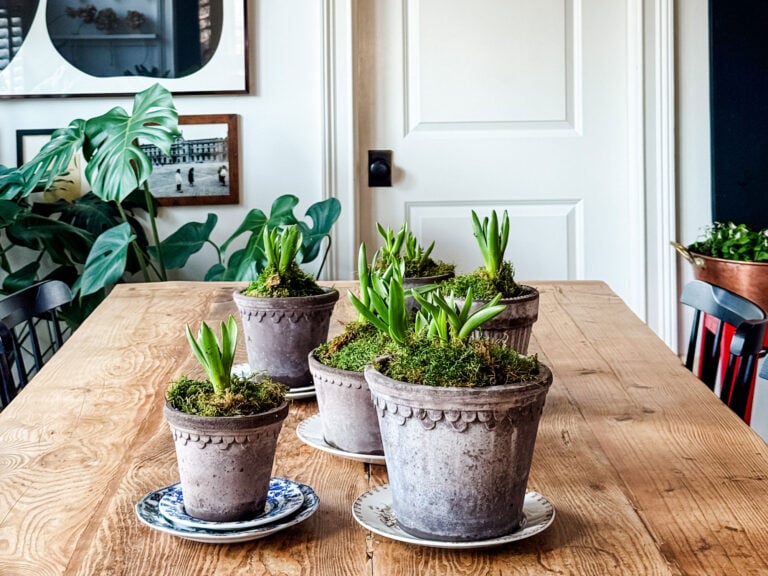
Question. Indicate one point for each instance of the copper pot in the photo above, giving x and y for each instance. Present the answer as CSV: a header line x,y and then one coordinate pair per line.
x,y
747,279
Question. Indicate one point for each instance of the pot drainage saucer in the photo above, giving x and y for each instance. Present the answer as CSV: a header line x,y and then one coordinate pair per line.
x,y
373,510
148,512
310,431
283,498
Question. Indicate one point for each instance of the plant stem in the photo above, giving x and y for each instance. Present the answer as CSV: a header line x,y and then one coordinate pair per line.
x,y
153,221
136,249
218,250
325,256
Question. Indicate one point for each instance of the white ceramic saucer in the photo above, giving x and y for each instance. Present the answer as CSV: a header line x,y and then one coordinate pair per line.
x,y
373,510
147,509
310,431
299,393
284,498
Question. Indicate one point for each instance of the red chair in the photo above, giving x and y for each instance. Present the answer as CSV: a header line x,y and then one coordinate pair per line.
x,y
727,315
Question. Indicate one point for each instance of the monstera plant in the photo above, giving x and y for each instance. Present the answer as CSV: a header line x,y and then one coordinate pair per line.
x,y
98,239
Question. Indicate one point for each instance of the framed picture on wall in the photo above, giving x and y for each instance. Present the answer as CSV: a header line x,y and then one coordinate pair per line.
x,y
120,47
203,166
69,185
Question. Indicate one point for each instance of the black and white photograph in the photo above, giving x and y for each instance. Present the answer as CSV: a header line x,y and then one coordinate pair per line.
x,y
202,167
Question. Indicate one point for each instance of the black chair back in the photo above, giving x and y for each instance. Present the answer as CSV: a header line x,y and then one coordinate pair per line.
x,y
30,333
750,323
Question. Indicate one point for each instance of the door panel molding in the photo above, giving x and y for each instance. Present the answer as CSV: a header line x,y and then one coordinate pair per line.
x,y
564,123
556,225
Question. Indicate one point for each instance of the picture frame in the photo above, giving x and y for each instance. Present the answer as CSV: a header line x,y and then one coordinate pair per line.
x,y
203,167
29,143
68,186
63,53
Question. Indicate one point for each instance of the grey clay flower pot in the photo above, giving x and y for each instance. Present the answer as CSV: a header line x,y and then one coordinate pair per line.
x,y
458,458
514,325
281,332
225,463
346,410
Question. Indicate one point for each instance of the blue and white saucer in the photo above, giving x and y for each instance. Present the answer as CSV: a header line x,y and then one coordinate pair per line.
x,y
283,498
148,511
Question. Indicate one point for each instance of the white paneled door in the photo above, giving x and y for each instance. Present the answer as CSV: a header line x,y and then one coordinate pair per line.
x,y
528,106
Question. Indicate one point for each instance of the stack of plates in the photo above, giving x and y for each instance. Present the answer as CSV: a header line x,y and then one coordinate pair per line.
x,y
295,393
288,503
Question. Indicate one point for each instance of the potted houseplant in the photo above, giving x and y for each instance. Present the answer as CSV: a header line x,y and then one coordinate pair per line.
x,y
731,256
420,269
496,276
285,313
225,431
347,415
458,417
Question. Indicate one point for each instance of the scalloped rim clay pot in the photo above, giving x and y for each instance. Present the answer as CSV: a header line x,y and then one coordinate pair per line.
x,y
514,325
281,332
458,458
346,410
225,463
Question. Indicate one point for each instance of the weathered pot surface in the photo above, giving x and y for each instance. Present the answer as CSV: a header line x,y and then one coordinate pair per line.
x,y
346,410
281,332
514,325
458,459
225,463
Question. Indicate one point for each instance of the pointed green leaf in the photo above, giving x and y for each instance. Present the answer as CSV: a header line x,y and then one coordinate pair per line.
x,y
479,318
187,240
281,213
324,215
254,222
106,262
52,160
118,165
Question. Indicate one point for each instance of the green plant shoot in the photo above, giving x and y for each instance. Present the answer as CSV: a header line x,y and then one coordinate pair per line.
x,y
440,317
282,247
382,302
216,359
492,241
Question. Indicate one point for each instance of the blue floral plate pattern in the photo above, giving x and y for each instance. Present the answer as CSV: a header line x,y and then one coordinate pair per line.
x,y
148,511
283,498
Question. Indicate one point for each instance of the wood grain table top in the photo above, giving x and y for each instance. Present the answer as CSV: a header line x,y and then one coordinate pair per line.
x,y
648,471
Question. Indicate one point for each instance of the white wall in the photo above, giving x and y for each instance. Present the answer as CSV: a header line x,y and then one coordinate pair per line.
x,y
693,160
280,121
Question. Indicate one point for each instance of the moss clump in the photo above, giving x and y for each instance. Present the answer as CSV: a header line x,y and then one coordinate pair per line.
x,y
423,269
473,363
293,283
358,345
484,287
245,397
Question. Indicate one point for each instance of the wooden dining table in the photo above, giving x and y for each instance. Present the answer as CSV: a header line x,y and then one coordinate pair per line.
x,y
648,472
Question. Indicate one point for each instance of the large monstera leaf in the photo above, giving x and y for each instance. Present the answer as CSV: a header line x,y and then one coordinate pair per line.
x,y
116,164
52,160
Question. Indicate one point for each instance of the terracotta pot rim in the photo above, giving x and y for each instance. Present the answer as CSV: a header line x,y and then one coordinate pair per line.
x,y
530,293
313,360
329,293
471,398
210,423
